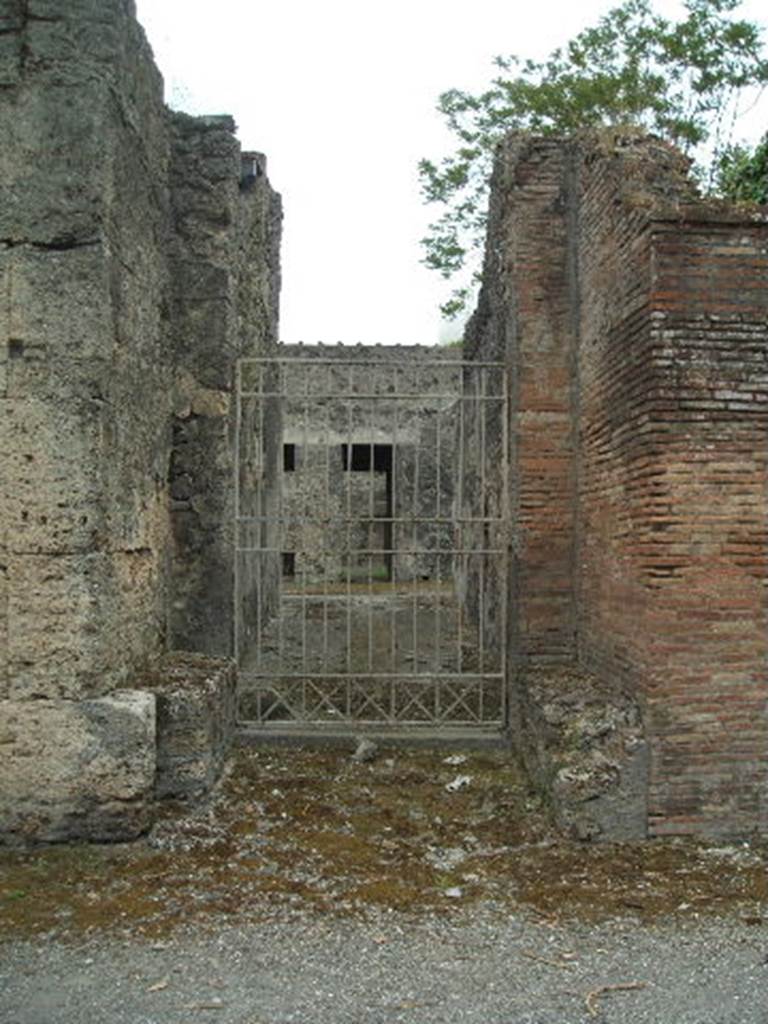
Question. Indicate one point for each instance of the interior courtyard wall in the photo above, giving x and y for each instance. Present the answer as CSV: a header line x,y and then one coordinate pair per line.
x,y
410,410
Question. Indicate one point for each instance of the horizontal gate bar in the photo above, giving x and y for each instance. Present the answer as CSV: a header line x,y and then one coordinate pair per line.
x,y
380,551
357,396
404,520
457,364
363,677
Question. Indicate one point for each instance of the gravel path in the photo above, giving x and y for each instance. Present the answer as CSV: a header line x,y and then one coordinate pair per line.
x,y
484,968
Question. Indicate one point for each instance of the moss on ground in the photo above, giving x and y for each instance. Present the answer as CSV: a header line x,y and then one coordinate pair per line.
x,y
311,830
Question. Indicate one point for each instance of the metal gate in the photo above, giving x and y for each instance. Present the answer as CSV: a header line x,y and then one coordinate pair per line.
x,y
370,540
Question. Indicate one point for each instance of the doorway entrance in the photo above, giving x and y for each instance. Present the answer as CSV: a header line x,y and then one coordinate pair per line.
x,y
371,559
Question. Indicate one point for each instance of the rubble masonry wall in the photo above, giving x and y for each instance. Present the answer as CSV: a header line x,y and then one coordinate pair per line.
x,y
136,264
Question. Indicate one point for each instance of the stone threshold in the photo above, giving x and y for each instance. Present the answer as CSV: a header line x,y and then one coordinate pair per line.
x,y
305,735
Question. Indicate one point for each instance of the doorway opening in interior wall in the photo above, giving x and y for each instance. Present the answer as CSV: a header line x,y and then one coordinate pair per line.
x,y
375,502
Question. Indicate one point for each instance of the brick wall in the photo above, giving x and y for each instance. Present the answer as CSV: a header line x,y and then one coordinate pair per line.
x,y
533,331
635,324
672,366
705,539
615,381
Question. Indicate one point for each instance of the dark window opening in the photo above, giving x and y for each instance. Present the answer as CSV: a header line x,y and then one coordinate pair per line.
x,y
363,454
289,458
289,563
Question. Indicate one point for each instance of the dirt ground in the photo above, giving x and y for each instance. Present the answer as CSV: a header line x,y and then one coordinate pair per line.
x,y
410,831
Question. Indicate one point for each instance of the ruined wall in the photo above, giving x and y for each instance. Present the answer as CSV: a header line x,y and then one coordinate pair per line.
x,y
224,265
673,377
85,368
533,330
481,502
661,310
705,524
136,262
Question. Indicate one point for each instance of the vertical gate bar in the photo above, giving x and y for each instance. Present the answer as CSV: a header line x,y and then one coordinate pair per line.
x,y
436,621
504,531
236,612
393,526
434,534
348,553
483,511
415,516
305,507
350,543
262,527
281,372
371,531
325,511
438,529
481,603
459,528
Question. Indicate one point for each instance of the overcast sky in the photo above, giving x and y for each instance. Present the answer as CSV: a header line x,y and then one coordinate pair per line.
x,y
340,95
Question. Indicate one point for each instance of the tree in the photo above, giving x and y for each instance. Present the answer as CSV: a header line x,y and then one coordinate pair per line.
x,y
681,80
743,173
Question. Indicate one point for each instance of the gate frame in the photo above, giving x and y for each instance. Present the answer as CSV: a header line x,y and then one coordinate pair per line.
x,y
502,522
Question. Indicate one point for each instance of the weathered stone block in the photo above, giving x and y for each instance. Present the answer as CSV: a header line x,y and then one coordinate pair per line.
x,y
78,624
57,646
59,303
50,456
10,15
196,702
10,58
206,341
3,620
77,770
52,165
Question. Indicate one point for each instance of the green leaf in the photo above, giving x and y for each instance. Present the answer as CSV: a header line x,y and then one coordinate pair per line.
x,y
680,79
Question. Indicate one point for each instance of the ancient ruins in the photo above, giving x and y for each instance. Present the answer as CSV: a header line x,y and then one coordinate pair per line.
x,y
555,538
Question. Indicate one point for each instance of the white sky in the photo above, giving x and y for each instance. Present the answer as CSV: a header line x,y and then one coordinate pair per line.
x,y
341,95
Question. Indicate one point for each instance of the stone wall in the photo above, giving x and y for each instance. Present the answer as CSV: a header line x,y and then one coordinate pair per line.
x,y
634,320
195,698
85,377
407,408
137,261
224,264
